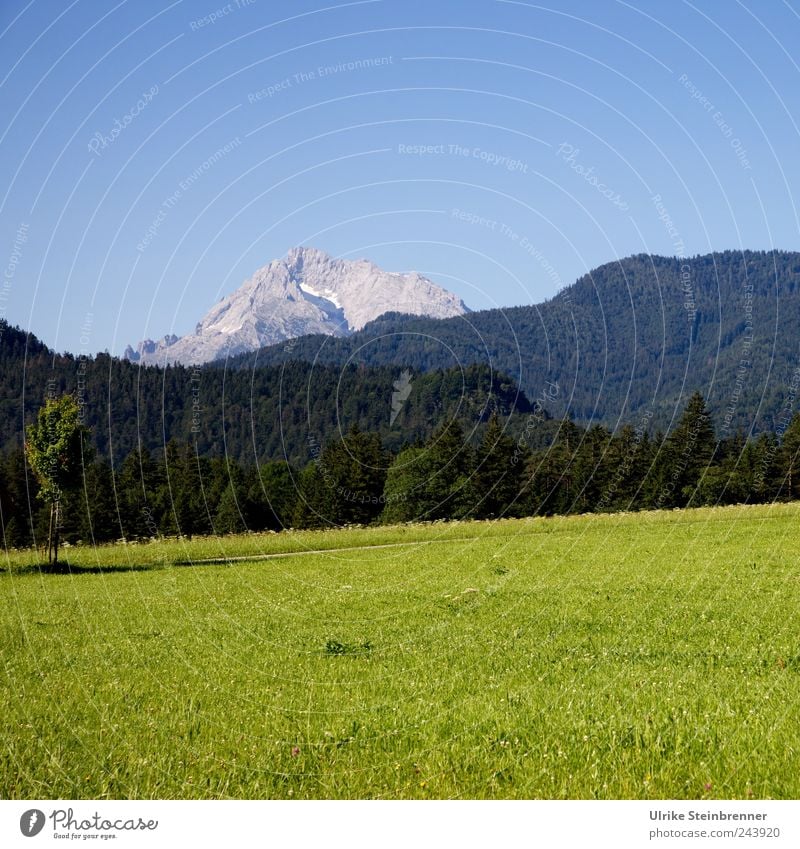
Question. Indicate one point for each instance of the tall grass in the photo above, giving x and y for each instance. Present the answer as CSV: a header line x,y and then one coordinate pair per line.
x,y
645,655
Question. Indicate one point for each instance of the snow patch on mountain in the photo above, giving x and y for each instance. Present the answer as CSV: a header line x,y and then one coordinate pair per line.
x,y
325,296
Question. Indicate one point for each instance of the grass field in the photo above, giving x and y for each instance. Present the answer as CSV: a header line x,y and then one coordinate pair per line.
x,y
622,656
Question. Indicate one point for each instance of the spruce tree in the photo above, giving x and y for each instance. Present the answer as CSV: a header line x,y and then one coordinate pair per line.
x,y
406,494
690,449
229,518
790,457
142,498
98,509
354,472
20,498
314,505
187,475
451,464
498,477
272,491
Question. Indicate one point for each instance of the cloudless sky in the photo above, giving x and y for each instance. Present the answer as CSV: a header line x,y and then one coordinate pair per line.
x,y
154,154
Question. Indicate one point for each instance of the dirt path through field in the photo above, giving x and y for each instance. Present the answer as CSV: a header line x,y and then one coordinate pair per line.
x,y
247,557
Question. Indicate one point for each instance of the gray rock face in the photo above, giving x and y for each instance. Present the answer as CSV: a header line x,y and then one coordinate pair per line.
x,y
306,292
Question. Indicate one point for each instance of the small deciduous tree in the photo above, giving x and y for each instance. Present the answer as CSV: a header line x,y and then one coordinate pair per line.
x,y
57,447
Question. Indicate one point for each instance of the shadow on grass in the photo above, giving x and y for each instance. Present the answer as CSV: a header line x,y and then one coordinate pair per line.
x,y
97,569
77,569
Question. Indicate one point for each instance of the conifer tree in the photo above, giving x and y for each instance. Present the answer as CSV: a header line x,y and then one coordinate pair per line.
x,y
142,497
98,511
497,480
272,492
406,495
790,457
354,471
314,504
229,517
690,449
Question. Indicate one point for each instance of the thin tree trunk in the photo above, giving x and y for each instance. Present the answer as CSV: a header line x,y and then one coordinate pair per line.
x,y
50,534
56,535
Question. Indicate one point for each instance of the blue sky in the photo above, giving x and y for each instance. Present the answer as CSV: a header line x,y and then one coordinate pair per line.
x,y
155,154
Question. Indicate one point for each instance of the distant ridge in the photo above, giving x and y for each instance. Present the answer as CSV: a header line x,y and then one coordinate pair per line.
x,y
627,342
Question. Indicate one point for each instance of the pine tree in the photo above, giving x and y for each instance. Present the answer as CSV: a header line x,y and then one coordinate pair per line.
x,y
690,449
497,480
272,495
229,518
406,495
99,520
790,457
354,471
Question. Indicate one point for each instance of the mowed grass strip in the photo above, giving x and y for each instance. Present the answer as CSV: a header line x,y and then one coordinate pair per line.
x,y
632,656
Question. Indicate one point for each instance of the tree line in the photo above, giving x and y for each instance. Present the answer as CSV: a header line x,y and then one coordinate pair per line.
x,y
253,416
488,472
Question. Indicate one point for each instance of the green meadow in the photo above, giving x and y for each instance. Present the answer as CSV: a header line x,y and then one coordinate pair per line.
x,y
647,655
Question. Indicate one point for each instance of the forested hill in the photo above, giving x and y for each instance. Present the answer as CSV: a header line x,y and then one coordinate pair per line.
x,y
281,412
627,342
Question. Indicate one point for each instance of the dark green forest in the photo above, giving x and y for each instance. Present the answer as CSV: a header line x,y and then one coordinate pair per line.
x,y
191,451
355,479
631,338
282,412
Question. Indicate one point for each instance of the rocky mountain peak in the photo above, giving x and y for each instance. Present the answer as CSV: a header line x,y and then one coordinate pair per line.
x,y
308,291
